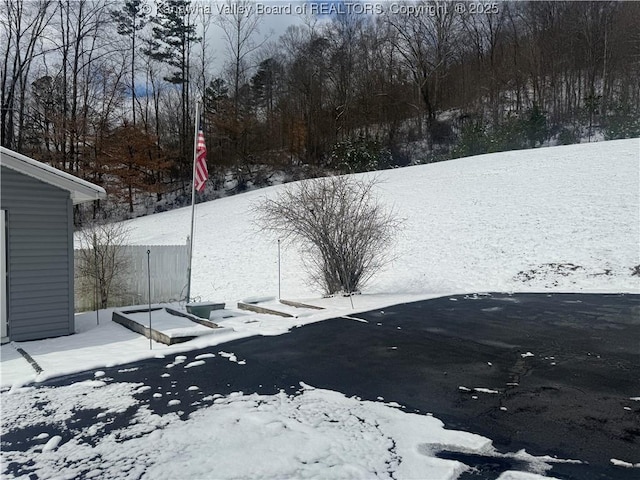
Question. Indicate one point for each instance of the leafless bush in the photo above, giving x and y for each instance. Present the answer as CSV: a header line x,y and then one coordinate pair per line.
x,y
102,260
344,232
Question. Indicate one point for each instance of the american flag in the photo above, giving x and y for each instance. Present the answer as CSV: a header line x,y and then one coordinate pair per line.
x,y
201,173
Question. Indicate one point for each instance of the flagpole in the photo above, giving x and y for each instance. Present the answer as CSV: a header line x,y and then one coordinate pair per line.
x,y
193,198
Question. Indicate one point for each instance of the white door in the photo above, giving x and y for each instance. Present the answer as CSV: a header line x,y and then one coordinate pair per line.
x,y
3,275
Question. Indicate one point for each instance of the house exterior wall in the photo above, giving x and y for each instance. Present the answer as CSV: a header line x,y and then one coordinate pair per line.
x,y
39,245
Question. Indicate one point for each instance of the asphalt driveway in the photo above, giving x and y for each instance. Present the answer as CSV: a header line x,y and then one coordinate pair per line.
x,y
553,374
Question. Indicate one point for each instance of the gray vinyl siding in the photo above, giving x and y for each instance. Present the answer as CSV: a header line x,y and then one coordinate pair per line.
x,y
40,257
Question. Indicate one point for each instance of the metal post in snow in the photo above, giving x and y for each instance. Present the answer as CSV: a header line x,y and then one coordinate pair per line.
x,y
279,281
346,280
149,284
95,254
193,198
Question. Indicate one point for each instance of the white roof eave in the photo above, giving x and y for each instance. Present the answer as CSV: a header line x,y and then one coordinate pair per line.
x,y
81,191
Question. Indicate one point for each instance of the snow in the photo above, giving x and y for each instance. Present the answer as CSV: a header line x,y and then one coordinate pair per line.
x,y
314,433
195,364
486,390
489,391
561,219
170,324
500,222
276,305
52,444
205,355
521,476
15,368
622,463
232,358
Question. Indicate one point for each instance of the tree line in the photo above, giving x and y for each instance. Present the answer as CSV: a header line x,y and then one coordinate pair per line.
x,y
106,90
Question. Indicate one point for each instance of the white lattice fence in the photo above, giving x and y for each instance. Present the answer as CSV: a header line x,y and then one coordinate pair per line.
x,y
168,265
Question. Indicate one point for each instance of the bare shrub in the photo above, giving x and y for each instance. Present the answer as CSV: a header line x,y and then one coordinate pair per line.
x,y
344,232
102,262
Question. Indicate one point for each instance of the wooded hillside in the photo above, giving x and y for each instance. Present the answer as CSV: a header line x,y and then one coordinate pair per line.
x,y
107,90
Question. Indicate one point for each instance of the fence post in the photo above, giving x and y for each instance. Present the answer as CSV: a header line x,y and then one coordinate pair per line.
x,y
149,282
95,250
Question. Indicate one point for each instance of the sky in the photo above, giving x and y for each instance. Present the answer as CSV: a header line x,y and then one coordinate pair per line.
x,y
275,16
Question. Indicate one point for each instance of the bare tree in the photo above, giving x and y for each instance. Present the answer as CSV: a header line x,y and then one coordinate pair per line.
x,y
130,18
83,46
427,45
239,29
102,261
205,57
22,25
344,232
485,32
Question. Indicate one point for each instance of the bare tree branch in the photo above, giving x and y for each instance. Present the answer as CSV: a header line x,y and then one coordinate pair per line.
x,y
102,260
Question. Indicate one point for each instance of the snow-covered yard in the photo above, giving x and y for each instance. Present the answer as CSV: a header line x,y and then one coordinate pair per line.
x,y
562,218
555,219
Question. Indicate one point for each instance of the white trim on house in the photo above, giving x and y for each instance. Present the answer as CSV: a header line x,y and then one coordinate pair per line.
x,y
81,190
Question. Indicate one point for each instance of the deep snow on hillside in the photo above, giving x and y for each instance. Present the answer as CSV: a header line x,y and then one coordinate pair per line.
x,y
561,218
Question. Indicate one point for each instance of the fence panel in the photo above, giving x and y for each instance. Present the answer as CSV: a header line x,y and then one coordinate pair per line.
x,y
168,266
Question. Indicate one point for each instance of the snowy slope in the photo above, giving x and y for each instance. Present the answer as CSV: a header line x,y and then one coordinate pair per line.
x,y
561,218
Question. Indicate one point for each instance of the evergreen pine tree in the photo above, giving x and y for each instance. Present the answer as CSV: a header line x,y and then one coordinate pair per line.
x,y
173,35
130,19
